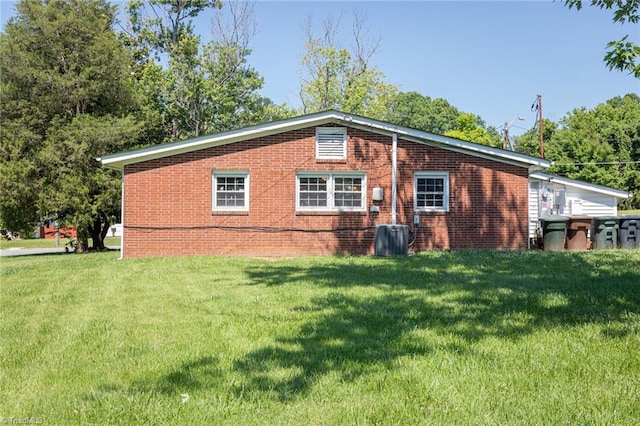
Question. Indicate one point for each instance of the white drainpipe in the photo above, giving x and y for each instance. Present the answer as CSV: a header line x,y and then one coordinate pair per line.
x,y
122,216
394,184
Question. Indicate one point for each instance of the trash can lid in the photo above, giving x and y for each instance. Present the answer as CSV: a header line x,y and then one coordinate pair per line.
x,y
630,216
607,217
554,218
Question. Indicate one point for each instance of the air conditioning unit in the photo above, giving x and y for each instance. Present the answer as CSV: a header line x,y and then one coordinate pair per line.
x,y
391,240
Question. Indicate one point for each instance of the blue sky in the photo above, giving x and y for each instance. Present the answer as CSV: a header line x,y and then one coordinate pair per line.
x,y
486,58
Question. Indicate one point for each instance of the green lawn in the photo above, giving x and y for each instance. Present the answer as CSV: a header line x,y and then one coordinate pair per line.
x,y
443,337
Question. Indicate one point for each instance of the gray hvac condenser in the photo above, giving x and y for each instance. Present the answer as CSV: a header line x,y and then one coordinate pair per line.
x,y
392,240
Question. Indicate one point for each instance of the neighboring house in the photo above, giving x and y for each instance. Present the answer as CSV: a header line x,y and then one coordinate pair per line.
x,y
320,184
49,232
550,194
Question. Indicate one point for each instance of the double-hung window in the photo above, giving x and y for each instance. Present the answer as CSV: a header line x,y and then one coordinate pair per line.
x,y
330,191
231,190
431,191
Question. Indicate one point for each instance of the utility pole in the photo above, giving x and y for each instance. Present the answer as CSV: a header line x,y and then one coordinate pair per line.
x,y
541,126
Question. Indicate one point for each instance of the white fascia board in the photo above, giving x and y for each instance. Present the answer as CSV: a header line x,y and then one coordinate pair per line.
x,y
445,142
580,184
119,160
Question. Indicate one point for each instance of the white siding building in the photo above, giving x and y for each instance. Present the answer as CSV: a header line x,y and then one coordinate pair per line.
x,y
550,194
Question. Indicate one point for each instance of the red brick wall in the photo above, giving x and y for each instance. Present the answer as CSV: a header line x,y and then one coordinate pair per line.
x,y
168,202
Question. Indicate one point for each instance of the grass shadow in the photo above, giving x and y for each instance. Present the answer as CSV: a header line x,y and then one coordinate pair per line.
x,y
347,336
469,295
363,316
202,373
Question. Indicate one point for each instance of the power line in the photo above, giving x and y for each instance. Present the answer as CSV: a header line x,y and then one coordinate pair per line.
x,y
596,163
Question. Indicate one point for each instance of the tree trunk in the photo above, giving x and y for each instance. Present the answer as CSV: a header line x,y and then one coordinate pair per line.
x,y
82,244
105,229
98,232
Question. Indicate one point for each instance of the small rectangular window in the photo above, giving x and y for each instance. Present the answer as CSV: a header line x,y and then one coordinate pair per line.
x,y
231,190
431,191
331,143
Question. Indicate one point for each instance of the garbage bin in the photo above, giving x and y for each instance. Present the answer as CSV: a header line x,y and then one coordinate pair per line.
x,y
604,232
629,232
554,231
577,230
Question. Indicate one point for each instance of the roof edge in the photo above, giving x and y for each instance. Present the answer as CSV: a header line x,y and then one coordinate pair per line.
x,y
581,184
119,160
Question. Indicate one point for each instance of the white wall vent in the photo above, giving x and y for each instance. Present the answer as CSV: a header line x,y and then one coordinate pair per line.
x,y
331,143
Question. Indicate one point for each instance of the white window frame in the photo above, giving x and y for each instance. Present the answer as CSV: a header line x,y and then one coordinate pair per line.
x,y
331,138
445,192
331,177
226,174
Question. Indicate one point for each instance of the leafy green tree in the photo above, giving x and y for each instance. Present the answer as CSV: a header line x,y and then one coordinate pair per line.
x,y
411,109
66,94
601,145
437,116
191,88
623,55
471,128
529,142
343,79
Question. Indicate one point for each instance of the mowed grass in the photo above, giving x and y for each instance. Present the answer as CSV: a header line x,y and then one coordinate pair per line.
x,y
443,337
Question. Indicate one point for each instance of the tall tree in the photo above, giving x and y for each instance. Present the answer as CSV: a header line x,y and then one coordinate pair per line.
x,y
340,78
437,116
192,87
601,145
420,112
232,84
623,55
470,127
66,93
529,142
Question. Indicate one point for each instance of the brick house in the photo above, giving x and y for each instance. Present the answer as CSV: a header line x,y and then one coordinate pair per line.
x,y
320,184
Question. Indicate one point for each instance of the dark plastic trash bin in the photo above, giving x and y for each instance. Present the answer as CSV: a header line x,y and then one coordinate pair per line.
x,y
554,232
577,230
629,232
604,232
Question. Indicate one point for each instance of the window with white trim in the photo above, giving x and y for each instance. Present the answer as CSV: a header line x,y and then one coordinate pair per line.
x,y
330,191
431,191
231,190
331,143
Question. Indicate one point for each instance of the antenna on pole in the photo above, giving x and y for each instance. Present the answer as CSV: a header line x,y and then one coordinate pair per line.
x,y
506,142
540,120
537,106
505,135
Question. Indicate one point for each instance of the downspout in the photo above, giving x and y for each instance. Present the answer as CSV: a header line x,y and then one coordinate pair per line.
x,y
122,216
394,183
